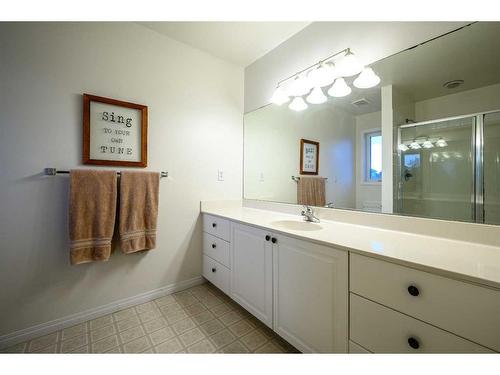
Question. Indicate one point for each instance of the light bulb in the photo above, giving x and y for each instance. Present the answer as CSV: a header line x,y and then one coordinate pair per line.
x,y
298,104
403,147
441,143
279,97
348,65
339,88
323,75
316,96
367,79
414,145
299,86
427,144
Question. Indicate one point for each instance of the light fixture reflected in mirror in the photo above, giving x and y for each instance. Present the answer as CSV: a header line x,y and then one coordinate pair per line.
x,y
415,145
427,144
298,104
339,88
403,147
441,143
316,96
367,79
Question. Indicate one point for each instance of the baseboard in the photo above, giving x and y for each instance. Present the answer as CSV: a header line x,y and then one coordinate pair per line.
x,y
71,320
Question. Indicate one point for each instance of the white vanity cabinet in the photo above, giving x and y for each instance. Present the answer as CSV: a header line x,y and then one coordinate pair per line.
x,y
296,287
252,271
310,295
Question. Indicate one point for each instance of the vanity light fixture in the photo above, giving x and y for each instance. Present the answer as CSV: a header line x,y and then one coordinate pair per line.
x,y
403,147
316,96
332,69
339,88
323,75
441,143
298,104
349,65
301,85
367,79
279,96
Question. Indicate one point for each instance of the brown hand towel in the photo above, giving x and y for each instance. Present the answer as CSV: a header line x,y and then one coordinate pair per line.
x,y
311,191
92,211
138,210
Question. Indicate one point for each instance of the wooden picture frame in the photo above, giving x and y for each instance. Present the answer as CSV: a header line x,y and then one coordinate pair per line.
x,y
111,138
309,157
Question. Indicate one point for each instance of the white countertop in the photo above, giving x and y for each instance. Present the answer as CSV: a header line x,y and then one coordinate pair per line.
x,y
458,259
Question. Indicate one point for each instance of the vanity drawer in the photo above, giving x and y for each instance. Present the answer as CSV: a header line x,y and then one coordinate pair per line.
x,y
216,249
217,274
383,330
216,226
468,310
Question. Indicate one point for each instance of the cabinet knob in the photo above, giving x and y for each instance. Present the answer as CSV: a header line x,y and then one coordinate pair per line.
x,y
413,342
214,246
214,225
413,290
214,269
274,240
268,237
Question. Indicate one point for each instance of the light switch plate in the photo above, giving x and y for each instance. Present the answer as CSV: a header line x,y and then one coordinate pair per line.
x,y
220,175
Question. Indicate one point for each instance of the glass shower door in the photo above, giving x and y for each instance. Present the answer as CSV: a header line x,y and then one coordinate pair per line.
x,y
436,169
491,168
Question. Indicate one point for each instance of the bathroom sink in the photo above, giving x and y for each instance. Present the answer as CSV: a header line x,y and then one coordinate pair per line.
x,y
296,225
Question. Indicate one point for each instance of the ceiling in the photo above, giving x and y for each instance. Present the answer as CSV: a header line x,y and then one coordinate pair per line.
x,y
240,43
470,54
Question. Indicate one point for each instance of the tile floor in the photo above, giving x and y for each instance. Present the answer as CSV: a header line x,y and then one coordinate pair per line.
x,y
201,319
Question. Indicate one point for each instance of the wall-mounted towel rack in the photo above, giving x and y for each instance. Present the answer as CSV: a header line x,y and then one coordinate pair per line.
x,y
297,179
54,171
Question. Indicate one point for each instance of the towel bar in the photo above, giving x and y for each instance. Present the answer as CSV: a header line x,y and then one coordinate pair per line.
x,y
54,171
296,179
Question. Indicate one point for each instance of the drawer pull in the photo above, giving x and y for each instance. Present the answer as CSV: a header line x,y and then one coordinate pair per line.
x,y
214,246
214,269
413,290
214,225
413,342
274,240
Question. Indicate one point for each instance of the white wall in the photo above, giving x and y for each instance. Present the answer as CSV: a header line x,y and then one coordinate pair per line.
x,y
272,151
368,194
371,41
195,127
482,99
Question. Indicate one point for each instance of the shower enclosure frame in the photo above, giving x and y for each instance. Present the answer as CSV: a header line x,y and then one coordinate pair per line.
x,y
477,154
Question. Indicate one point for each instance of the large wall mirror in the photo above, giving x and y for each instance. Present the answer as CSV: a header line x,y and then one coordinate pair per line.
x,y
424,142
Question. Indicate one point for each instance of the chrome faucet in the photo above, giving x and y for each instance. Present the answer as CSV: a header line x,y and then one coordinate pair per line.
x,y
308,215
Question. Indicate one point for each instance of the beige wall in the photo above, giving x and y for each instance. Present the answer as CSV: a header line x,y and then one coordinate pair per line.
x,y
272,145
195,127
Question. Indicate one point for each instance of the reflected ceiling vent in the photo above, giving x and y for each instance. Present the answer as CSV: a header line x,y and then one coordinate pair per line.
x,y
361,102
454,84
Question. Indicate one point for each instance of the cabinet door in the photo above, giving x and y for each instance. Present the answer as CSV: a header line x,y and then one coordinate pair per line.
x,y
252,271
311,295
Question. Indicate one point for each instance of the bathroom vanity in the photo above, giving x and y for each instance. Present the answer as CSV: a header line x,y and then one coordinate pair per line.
x,y
336,287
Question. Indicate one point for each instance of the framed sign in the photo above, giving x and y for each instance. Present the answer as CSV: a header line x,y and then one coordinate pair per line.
x,y
114,132
309,157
